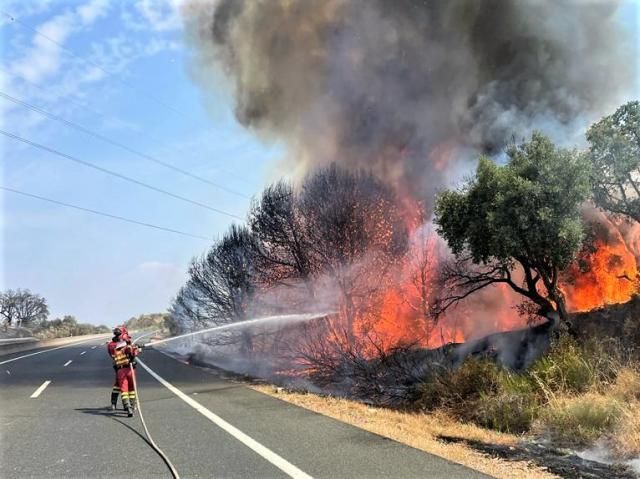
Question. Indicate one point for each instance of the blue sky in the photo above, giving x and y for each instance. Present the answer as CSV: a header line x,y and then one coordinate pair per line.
x,y
102,270
128,61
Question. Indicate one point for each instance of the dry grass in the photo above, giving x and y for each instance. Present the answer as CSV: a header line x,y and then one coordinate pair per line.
x,y
627,385
419,431
579,421
625,440
610,413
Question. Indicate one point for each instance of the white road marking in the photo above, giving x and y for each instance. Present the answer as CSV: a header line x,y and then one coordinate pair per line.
x,y
47,350
83,352
268,454
38,391
67,363
93,347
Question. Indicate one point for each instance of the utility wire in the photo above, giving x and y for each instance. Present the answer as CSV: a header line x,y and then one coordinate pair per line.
x,y
87,131
101,213
154,138
116,174
93,64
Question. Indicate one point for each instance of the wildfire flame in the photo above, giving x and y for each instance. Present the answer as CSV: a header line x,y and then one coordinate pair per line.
x,y
603,274
608,275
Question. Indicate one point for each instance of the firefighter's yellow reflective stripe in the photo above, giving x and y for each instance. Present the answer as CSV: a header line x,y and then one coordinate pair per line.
x,y
120,358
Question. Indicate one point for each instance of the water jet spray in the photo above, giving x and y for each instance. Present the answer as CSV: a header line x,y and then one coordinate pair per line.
x,y
284,317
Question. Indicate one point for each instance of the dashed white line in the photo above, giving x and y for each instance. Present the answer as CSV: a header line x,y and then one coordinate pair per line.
x,y
47,350
93,347
67,363
278,461
83,352
38,391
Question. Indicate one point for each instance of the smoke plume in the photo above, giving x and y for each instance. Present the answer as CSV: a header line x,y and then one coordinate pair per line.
x,y
407,87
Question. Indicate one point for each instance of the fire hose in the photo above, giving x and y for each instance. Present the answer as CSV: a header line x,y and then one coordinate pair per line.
x,y
147,434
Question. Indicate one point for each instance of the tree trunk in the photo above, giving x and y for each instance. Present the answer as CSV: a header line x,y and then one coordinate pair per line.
x,y
562,318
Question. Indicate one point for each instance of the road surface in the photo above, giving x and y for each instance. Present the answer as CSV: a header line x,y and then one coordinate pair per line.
x,y
54,422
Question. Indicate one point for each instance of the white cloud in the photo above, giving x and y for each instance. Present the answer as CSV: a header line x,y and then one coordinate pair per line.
x,y
39,71
44,57
93,10
161,15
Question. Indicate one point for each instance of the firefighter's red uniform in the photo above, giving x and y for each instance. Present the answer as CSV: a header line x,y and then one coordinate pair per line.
x,y
123,357
120,333
115,391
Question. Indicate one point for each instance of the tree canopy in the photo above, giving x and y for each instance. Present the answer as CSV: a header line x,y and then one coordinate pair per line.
x,y
524,215
614,151
21,306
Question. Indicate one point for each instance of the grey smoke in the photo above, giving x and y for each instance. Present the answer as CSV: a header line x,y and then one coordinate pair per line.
x,y
386,83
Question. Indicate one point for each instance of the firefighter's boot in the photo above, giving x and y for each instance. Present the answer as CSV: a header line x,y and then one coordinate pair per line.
x,y
115,392
126,404
133,402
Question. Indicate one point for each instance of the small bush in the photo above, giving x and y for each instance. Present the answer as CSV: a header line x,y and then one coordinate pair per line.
x,y
454,389
506,412
564,370
580,420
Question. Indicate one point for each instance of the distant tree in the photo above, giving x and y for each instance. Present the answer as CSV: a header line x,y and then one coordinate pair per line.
x,y
523,216
8,309
614,151
23,307
147,321
65,327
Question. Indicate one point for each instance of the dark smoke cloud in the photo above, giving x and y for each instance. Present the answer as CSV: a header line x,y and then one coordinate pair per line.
x,y
403,86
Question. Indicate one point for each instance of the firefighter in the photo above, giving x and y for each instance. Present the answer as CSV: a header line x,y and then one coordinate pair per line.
x,y
120,333
124,357
111,348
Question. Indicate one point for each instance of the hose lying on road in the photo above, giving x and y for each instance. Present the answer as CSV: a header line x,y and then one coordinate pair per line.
x,y
150,440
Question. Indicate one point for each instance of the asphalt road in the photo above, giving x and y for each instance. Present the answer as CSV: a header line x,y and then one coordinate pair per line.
x,y
207,425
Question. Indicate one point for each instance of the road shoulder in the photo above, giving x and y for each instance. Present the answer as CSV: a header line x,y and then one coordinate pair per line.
x,y
419,431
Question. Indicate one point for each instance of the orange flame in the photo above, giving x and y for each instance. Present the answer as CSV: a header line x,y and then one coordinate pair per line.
x,y
608,275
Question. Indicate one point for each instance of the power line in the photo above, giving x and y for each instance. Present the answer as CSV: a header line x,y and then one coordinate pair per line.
x,y
101,213
101,137
97,113
93,64
116,174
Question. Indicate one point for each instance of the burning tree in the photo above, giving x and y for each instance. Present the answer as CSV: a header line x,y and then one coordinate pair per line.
x,y
614,151
283,253
356,235
222,284
517,224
